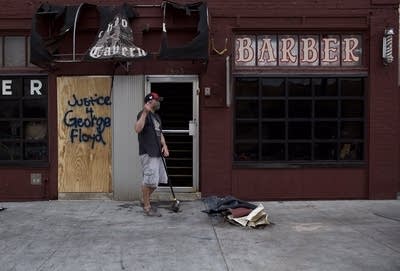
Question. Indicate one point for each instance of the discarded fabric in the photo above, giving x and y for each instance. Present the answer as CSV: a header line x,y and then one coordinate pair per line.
x,y
222,204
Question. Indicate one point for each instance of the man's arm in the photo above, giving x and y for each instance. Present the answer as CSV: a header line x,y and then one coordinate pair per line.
x,y
142,120
139,125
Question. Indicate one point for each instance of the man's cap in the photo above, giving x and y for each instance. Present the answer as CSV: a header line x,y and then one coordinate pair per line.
x,y
152,96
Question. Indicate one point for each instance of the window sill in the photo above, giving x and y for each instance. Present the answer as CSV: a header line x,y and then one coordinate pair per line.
x,y
259,165
24,164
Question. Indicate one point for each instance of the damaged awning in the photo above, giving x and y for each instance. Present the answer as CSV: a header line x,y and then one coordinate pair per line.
x,y
114,40
63,19
196,48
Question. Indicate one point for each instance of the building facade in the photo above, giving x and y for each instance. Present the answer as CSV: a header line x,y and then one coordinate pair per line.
x,y
263,101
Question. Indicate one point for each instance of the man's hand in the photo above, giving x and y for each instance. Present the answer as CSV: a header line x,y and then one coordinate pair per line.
x,y
147,107
139,125
165,151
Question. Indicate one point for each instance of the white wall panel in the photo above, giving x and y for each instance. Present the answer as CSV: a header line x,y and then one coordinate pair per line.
x,y
128,94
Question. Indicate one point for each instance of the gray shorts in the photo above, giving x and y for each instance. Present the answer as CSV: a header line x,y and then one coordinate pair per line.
x,y
153,171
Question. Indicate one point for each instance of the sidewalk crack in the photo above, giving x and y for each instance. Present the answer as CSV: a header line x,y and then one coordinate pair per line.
x,y
219,245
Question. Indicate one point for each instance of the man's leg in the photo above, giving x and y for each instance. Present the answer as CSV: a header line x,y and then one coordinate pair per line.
x,y
150,182
147,191
147,181
146,197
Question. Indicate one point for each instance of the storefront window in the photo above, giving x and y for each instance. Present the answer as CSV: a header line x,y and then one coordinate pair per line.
x,y
299,120
23,119
14,51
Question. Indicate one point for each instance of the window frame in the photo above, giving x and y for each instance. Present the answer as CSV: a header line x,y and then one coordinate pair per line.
x,y
28,65
21,140
260,163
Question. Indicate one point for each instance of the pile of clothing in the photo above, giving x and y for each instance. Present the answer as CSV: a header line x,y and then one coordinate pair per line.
x,y
237,211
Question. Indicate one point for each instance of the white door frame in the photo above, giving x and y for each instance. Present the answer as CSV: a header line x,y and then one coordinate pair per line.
x,y
194,79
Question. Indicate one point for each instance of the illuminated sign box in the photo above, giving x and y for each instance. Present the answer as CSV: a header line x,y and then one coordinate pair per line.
x,y
298,50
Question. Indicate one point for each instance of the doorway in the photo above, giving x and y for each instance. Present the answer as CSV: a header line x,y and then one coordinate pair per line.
x,y
179,115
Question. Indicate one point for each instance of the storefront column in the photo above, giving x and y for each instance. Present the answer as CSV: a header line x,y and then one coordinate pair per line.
x,y
383,112
128,95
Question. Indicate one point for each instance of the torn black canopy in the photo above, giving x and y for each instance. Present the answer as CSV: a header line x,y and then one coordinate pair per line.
x,y
43,49
62,20
198,47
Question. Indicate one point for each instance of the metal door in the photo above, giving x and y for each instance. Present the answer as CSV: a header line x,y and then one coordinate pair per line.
x,y
179,115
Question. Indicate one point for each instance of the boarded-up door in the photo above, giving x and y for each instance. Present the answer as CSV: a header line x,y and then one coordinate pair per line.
x,y
84,134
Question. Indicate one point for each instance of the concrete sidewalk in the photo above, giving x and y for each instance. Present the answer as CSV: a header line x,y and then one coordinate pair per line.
x,y
111,235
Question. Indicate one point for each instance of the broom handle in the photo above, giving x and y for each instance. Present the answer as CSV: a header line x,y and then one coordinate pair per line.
x,y
162,157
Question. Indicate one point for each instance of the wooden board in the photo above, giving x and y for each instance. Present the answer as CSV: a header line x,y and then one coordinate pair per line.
x,y
84,134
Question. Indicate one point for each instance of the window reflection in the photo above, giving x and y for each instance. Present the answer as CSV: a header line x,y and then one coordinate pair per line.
x,y
352,108
325,86
246,87
35,130
325,130
300,151
351,151
247,109
273,87
273,152
14,51
273,130
35,108
246,130
10,129
246,152
35,151
10,151
299,87
299,130
273,109
325,151
300,109
351,130
326,109
352,87
9,108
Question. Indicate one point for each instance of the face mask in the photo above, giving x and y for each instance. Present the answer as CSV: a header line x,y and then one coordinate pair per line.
x,y
157,107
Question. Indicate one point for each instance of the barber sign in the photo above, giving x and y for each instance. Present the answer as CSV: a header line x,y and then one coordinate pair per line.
x,y
298,50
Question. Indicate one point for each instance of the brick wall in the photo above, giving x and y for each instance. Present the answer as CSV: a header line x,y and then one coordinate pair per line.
x,y
217,176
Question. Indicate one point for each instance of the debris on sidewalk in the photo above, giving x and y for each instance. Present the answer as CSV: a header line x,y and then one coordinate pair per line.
x,y
236,211
257,217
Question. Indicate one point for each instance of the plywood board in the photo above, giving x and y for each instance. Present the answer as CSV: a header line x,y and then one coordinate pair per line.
x,y
84,134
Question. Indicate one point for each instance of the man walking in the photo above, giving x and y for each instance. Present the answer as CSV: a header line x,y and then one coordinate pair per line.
x,y
151,141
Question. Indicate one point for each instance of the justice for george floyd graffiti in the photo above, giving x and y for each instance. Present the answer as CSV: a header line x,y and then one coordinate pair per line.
x,y
90,126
